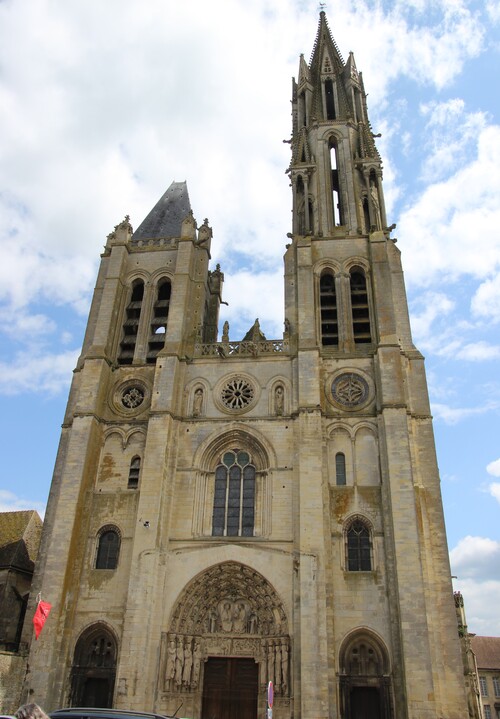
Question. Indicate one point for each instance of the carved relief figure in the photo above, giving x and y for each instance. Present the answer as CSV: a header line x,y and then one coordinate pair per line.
x,y
270,661
226,618
240,618
277,650
284,665
197,402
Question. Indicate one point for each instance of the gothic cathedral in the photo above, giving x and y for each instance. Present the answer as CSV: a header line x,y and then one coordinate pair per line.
x,y
224,513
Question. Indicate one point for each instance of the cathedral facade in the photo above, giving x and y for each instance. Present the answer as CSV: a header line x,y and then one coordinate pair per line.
x,y
225,513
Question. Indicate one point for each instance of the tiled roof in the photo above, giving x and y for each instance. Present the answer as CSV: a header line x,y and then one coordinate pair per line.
x,y
166,217
487,651
20,534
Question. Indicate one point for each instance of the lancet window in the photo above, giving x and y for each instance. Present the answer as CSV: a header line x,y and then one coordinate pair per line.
x,y
340,474
234,496
133,473
330,100
335,184
131,324
358,547
159,319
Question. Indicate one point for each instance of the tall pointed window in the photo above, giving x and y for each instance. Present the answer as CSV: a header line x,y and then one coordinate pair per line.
x,y
133,473
335,185
360,308
131,324
328,308
358,547
234,497
159,319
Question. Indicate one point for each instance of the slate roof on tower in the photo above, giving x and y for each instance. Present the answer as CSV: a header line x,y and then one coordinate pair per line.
x,y
166,217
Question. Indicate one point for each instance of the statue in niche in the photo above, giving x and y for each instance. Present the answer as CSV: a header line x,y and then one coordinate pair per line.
x,y
188,663
279,400
226,617
197,657
171,655
286,332
375,206
240,618
197,402
179,661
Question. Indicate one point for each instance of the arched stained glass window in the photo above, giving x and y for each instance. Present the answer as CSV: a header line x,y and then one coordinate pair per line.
x,y
234,496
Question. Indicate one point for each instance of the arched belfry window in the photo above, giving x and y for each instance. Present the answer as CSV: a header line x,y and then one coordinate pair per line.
x,y
301,211
328,309
330,100
234,495
360,308
358,547
159,318
335,184
108,549
131,324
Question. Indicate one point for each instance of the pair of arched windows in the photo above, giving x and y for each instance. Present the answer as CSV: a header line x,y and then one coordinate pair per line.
x,y
360,313
157,323
108,549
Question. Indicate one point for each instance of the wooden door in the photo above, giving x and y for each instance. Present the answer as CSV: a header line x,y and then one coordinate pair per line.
x,y
230,688
365,703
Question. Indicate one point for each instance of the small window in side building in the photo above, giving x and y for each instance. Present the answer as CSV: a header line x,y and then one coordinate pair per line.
x,y
487,711
133,474
496,686
484,686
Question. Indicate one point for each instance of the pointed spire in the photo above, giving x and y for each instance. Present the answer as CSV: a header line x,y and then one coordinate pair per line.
x,y
166,217
325,45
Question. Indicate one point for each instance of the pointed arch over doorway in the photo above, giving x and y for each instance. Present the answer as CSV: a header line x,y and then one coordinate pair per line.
x,y
94,667
365,677
228,611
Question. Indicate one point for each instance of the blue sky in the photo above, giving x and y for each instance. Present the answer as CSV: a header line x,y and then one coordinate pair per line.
x,y
103,105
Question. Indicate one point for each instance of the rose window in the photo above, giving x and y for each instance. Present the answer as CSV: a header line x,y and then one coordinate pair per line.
x,y
349,389
237,393
132,397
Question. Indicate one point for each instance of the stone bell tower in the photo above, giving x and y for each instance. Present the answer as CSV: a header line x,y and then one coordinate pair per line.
x,y
225,513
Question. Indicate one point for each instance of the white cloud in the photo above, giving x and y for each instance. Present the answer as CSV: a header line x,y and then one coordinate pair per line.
x,y
494,490
478,352
453,415
37,373
493,468
10,502
486,300
476,563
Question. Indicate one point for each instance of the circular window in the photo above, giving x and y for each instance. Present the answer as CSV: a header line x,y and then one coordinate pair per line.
x,y
349,390
132,397
238,393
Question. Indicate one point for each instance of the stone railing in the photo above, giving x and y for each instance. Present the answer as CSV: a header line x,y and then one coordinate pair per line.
x,y
244,348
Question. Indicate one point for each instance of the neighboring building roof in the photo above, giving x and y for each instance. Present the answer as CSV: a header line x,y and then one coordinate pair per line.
x,y
166,217
487,651
20,534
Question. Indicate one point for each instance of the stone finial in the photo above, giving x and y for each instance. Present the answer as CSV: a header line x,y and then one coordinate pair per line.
x,y
121,234
204,233
188,228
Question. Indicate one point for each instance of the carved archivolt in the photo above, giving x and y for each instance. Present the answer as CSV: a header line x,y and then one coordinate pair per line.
x,y
228,610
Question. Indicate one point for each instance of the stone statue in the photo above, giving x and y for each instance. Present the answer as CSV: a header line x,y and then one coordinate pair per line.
x,y
240,618
279,400
284,665
225,332
188,663
171,655
179,662
226,618
197,402
197,656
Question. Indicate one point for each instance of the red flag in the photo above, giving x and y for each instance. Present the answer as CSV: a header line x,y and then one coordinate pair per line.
x,y
41,614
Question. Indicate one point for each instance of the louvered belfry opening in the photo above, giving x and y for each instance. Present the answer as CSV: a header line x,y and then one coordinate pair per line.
x,y
131,324
360,308
159,319
328,306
